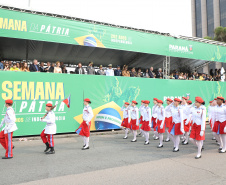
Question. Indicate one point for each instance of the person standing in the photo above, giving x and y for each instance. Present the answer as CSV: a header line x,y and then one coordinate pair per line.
x,y
6,134
100,71
199,125
126,118
118,71
177,127
48,67
219,120
125,71
84,129
146,121
154,116
160,126
57,69
168,117
141,109
159,74
133,72
210,112
151,73
49,130
14,68
110,71
1,66
42,69
79,69
34,67
134,120
90,69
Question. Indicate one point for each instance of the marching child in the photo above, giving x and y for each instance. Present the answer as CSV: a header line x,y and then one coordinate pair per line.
x,y
6,134
49,130
168,117
126,118
134,120
154,116
141,109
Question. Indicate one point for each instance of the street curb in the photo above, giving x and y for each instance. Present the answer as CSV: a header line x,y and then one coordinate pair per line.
x,y
109,132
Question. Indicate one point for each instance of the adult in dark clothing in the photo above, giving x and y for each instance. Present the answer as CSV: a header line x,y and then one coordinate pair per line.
x,y
34,67
51,69
48,67
159,74
151,73
118,71
79,69
42,69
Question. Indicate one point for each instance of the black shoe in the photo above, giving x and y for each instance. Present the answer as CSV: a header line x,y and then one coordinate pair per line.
x,y
47,147
160,146
213,138
7,157
167,140
13,146
139,134
156,138
185,143
219,149
125,137
134,141
198,157
52,151
176,150
202,147
85,148
222,151
146,143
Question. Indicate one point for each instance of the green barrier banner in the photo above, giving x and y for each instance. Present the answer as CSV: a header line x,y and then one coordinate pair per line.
x,y
20,25
31,91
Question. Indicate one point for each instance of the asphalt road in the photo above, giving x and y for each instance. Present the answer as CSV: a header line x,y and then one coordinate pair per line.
x,y
112,160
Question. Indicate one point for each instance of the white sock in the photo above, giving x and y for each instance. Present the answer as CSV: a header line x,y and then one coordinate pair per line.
x,y
84,140
87,141
134,135
219,139
223,136
156,134
177,141
168,135
193,141
161,139
126,132
199,144
173,139
186,136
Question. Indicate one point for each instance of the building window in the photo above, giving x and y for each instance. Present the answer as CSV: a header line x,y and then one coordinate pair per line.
x,y
210,18
198,18
223,12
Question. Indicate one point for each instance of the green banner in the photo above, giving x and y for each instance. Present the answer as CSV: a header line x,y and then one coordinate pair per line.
x,y
31,91
15,24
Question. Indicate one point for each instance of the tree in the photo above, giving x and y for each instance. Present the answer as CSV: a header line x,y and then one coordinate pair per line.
x,y
208,37
220,34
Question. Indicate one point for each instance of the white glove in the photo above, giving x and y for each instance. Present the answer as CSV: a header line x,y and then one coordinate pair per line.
x,y
156,120
182,131
225,129
161,126
137,123
87,123
201,133
186,123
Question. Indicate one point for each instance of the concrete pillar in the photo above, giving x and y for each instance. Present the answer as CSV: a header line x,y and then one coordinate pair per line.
x,y
206,69
204,18
193,18
218,65
216,11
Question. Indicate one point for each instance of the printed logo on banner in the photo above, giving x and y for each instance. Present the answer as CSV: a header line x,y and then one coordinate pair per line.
x,y
181,49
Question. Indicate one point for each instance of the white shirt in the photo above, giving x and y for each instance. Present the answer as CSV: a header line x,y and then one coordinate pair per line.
x,y
87,114
154,113
199,116
168,113
9,120
186,111
210,112
160,113
147,114
219,113
50,123
110,72
134,113
126,112
141,109
177,114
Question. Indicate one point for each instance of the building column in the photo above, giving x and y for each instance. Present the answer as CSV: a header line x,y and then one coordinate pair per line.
x,y
193,18
216,11
206,69
204,18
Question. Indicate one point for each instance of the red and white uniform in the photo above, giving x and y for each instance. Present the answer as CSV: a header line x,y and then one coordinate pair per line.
x,y
210,115
141,109
134,123
84,129
154,116
199,122
50,129
160,126
126,117
146,119
186,117
6,134
219,119
177,127
168,116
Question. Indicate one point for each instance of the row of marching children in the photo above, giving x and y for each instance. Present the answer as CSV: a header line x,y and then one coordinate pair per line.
x,y
179,119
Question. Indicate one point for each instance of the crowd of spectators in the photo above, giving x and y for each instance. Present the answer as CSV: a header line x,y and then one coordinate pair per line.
x,y
59,67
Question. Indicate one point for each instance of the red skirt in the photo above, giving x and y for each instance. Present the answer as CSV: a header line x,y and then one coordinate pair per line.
x,y
84,129
125,123
219,127
175,129
153,123
195,132
133,124
168,122
141,120
187,127
157,127
145,126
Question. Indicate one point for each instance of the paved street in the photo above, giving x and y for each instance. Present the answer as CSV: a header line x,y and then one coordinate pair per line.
x,y
112,160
